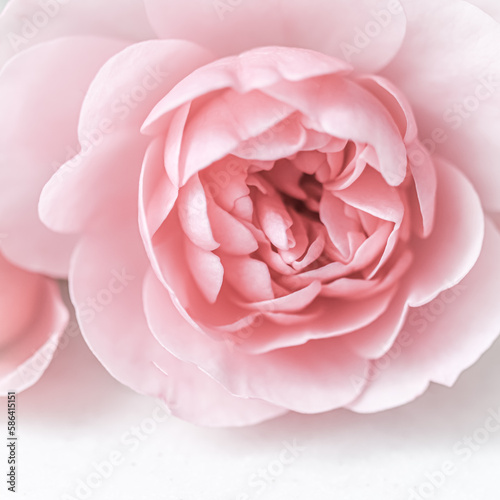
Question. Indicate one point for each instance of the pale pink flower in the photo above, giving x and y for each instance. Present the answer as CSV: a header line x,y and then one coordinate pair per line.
x,y
262,206
33,317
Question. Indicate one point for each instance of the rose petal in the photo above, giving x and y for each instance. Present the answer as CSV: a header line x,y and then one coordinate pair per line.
x,y
456,104
119,336
249,277
244,73
157,195
364,31
33,149
195,397
441,260
337,318
290,303
192,209
457,327
447,255
312,378
206,270
26,23
337,223
395,102
110,113
282,140
224,123
33,319
345,110
233,237
491,7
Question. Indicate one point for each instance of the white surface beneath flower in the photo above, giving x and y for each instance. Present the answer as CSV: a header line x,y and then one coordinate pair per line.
x,y
78,417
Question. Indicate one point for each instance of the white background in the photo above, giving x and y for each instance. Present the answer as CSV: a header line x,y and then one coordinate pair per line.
x,y
77,415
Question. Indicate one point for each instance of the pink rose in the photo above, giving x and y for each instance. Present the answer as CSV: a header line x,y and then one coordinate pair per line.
x,y
33,318
262,206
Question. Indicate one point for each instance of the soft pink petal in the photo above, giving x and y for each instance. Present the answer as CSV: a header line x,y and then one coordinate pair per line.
x,y
281,141
353,163
375,339
368,251
109,113
337,317
329,26
394,101
274,219
456,328
169,262
33,318
491,7
450,74
192,208
25,23
37,134
355,289
337,223
225,182
441,261
130,84
454,245
206,270
345,110
314,251
233,237
157,194
425,179
249,277
173,143
290,303
311,378
119,336
300,239
370,193
249,71
194,396
224,123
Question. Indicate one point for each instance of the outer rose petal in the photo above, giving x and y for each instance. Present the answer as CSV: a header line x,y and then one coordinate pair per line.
x,y
25,23
37,130
441,261
310,378
323,25
256,69
157,66
117,332
33,318
450,72
460,330
496,219
452,249
491,7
